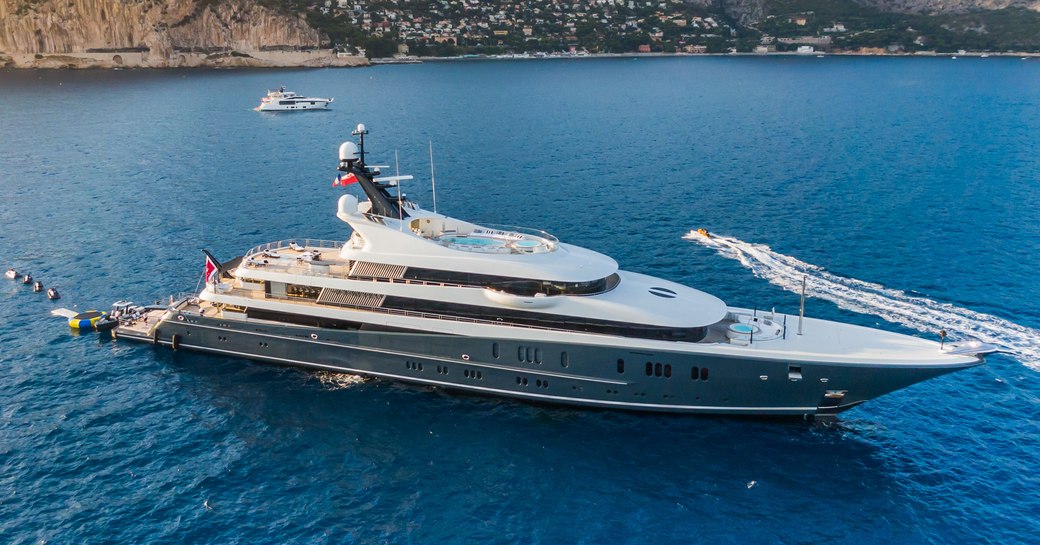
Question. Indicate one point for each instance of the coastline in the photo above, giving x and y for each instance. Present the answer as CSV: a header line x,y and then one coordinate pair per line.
x,y
635,55
326,59
119,59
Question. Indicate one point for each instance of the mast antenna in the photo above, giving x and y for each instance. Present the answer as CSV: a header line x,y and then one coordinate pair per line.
x,y
400,210
361,131
801,311
433,179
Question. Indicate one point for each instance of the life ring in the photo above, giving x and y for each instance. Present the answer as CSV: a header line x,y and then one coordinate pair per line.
x,y
175,342
86,320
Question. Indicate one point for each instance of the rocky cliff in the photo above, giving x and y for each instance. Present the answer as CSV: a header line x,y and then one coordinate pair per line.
x,y
156,33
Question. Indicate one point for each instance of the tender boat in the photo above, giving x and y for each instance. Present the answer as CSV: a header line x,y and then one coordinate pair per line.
x,y
37,286
27,279
11,274
281,100
106,323
53,294
416,296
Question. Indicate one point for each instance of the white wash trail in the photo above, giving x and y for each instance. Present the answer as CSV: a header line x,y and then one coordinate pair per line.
x,y
920,313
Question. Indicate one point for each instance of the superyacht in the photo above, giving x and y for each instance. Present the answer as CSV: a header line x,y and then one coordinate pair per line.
x,y
281,100
417,296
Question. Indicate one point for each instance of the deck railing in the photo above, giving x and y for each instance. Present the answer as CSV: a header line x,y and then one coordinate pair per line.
x,y
307,243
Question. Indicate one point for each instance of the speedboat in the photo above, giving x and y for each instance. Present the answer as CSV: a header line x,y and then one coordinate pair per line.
x,y
416,296
280,100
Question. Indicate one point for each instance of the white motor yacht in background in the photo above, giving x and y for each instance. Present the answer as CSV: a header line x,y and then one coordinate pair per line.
x,y
417,296
281,100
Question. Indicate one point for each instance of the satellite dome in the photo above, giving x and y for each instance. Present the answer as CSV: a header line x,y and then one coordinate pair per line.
x,y
348,151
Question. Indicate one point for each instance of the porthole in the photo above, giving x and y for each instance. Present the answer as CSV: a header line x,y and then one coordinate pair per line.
x,y
565,359
620,365
649,368
667,370
657,369
695,373
494,350
528,355
538,356
520,353
704,373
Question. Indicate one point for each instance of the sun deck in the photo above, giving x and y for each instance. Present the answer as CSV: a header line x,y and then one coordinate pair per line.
x,y
311,258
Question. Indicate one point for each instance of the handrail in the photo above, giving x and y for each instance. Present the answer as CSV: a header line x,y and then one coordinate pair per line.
x,y
307,243
550,239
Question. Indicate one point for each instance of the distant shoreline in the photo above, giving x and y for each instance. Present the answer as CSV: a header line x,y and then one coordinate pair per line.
x,y
116,59
324,59
419,60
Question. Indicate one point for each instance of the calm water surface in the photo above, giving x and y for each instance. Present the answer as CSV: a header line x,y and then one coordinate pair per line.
x,y
919,176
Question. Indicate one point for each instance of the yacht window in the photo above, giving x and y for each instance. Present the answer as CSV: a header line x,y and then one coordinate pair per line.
x,y
620,365
516,286
553,321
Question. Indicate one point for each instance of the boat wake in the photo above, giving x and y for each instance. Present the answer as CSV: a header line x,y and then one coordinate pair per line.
x,y
920,313
337,381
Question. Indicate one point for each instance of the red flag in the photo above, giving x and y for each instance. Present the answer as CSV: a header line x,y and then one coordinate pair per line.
x,y
211,269
345,179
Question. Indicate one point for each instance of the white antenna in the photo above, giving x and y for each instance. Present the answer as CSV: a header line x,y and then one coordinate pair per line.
x,y
801,311
400,211
433,179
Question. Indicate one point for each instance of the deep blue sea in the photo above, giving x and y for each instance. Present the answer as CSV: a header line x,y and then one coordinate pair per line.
x,y
906,191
